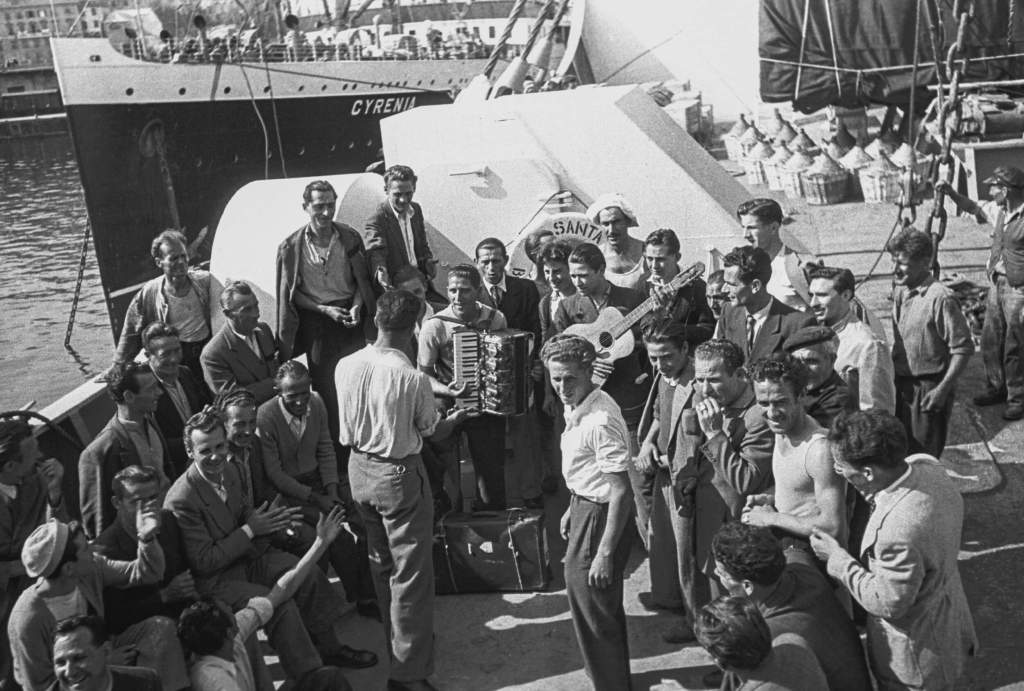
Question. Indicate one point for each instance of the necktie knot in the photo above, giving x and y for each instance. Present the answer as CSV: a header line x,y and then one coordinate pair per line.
x,y
496,295
751,326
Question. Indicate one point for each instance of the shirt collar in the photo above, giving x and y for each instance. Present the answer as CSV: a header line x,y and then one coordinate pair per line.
x,y
393,351
891,489
685,376
311,232
407,214
573,414
850,318
500,284
1013,213
923,287
603,295
288,417
209,661
217,486
762,313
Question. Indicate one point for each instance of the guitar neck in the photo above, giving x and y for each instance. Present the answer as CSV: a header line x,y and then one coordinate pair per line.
x,y
651,303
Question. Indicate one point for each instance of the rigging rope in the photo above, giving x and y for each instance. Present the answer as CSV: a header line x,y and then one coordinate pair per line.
x,y
78,283
263,126
277,124
506,34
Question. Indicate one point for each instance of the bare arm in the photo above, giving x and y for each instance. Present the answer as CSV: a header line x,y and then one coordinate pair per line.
x,y
327,529
829,497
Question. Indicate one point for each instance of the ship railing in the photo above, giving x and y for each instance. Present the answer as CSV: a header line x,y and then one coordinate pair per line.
x,y
192,52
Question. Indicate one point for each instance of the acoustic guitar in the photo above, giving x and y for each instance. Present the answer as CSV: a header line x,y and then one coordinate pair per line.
x,y
611,332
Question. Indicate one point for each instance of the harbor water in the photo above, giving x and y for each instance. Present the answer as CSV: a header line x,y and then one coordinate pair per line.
x,y
42,222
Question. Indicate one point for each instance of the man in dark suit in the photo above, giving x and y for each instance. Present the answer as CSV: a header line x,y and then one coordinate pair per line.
x,y
136,487
81,660
238,410
228,552
130,438
395,235
629,380
754,320
183,394
688,304
518,299
242,354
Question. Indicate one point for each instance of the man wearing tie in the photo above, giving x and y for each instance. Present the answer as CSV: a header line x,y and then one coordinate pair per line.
x,y
518,299
754,320
242,354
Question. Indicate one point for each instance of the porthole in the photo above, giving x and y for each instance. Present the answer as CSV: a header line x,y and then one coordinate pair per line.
x,y
227,89
181,91
129,91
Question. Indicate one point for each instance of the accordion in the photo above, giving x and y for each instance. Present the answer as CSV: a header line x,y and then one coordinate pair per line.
x,y
496,367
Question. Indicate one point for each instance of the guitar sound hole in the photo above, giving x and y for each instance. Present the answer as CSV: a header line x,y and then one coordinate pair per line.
x,y
605,339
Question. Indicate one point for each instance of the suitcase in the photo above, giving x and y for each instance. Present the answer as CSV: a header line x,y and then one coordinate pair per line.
x,y
491,551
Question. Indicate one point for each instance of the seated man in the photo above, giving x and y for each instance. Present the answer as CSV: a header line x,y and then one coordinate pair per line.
x,y
808,493
84,661
227,550
182,393
300,463
793,598
30,494
130,438
242,353
736,636
222,660
238,409
136,488
179,297
436,358
70,579
826,395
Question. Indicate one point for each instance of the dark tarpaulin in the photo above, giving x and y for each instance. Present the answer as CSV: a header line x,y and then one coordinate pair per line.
x,y
872,34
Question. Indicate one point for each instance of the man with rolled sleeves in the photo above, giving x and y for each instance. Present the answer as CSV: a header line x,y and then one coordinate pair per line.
x,y
595,457
1003,334
931,343
387,408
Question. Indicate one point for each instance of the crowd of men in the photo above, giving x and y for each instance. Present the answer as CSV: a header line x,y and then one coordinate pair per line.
x,y
774,454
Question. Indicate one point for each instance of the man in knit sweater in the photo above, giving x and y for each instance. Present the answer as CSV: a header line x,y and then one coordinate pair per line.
x,y
300,463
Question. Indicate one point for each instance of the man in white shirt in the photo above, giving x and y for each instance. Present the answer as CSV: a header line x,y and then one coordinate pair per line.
x,y
595,458
227,666
395,233
862,359
761,220
387,409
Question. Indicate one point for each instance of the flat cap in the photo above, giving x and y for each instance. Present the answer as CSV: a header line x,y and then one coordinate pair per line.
x,y
807,337
1011,176
44,548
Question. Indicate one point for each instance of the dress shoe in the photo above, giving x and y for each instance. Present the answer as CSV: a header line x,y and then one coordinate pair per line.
x,y
350,657
549,485
1014,411
990,397
648,602
420,685
713,679
680,634
369,609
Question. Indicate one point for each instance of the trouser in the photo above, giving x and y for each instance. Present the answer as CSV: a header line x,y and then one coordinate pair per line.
x,y
156,640
549,432
1002,338
346,554
486,437
300,628
393,497
927,429
598,616
325,341
643,488
190,352
676,579
527,465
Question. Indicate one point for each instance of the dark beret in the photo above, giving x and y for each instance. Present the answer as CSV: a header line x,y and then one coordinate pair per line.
x,y
807,337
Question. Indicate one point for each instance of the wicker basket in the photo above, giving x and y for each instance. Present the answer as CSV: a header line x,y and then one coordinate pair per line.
x,y
880,181
804,143
732,139
753,163
785,135
905,158
750,139
772,167
825,182
789,174
854,160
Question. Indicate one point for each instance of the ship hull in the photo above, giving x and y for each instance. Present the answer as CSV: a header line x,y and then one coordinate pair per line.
x,y
162,146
